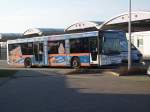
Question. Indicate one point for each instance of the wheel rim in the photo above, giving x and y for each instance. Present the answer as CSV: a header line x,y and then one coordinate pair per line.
x,y
27,63
75,63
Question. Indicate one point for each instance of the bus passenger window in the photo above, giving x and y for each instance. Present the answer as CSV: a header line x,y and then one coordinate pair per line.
x,y
27,48
79,45
56,47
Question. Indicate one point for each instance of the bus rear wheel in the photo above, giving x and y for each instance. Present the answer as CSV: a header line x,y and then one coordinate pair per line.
x,y
27,63
75,63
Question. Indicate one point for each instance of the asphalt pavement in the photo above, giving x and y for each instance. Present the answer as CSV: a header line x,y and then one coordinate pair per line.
x,y
45,91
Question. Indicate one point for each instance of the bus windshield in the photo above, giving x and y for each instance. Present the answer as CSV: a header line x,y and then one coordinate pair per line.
x,y
111,43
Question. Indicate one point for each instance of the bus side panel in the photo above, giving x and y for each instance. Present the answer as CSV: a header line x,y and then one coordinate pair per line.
x,y
15,56
65,60
57,60
19,59
84,58
110,60
17,52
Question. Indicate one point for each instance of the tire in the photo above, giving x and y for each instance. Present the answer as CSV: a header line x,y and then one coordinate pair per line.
x,y
27,63
75,62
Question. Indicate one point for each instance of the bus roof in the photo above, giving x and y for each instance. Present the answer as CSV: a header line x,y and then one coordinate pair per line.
x,y
54,37
60,37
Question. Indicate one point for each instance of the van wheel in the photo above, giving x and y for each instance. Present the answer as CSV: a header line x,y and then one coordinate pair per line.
x,y
75,63
27,63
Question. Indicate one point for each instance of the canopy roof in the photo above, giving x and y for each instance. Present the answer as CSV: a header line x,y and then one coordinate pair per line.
x,y
86,25
140,22
42,32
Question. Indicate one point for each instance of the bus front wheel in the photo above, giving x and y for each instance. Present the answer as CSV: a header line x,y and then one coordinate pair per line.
x,y
27,63
75,62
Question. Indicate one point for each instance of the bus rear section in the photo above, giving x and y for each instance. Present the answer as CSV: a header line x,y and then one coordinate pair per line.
x,y
26,52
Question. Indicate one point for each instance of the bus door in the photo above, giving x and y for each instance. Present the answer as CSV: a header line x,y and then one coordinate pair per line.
x,y
93,51
38,52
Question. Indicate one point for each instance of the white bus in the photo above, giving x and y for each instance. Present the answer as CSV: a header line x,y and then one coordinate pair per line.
x,y
93,48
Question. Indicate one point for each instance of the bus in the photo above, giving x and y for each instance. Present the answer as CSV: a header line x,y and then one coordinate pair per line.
x,y
85,49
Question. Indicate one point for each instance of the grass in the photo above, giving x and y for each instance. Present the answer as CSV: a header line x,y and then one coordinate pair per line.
x,y
7,73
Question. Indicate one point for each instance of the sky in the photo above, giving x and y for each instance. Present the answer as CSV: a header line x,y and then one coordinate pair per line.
x,y
16,16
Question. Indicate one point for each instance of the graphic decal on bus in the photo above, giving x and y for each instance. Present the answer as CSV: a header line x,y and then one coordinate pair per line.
x,y
84,59
15,55
57,59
